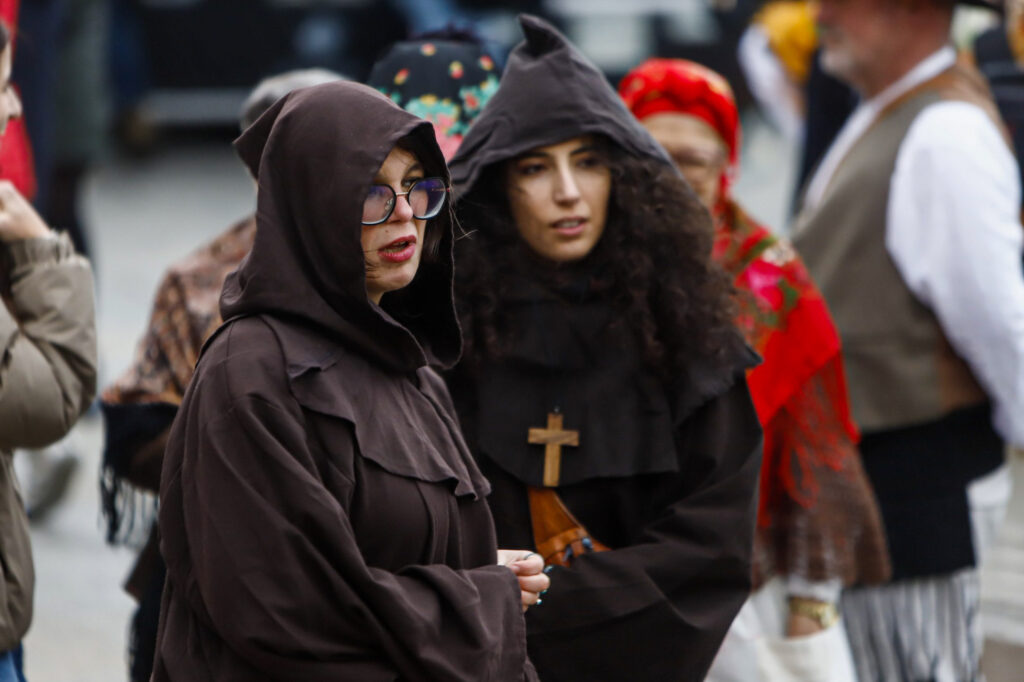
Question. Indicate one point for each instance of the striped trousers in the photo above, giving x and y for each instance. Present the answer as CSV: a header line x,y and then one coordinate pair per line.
x,y
924,630
928,629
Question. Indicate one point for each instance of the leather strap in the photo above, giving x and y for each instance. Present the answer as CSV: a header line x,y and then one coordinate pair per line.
x,y
557,534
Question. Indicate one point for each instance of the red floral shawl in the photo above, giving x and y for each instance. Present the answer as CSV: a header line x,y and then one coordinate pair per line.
x,y
817,516
785,319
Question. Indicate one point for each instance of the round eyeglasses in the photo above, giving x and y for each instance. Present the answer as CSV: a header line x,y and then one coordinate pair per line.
x,y
426,197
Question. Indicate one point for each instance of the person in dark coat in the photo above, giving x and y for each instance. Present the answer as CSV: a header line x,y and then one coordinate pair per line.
x,y
321,517
603,388
140,405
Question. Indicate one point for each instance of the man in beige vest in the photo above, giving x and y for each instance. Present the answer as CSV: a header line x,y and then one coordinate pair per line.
x,y
910,227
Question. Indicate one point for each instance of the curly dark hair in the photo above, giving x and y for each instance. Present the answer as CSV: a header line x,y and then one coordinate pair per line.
x,y
655,253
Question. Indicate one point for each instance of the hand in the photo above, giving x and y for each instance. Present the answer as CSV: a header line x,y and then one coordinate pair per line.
x,y
799,625
529,568
18,220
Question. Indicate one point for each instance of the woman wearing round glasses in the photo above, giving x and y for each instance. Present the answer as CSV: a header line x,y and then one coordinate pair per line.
x,y
393,252
321,516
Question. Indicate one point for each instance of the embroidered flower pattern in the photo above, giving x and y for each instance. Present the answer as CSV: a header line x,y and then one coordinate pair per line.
x,y
450,87
443,113
768,277
475,97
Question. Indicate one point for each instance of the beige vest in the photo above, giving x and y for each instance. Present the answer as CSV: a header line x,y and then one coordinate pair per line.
x,y
900,366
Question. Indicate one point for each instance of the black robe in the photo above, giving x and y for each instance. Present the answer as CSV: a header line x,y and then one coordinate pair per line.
x,y
667,467
321,517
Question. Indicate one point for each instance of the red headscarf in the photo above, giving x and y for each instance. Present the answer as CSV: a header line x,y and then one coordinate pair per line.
x,y
684,87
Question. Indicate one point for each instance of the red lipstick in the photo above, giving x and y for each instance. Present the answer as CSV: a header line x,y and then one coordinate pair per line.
x,y
398,251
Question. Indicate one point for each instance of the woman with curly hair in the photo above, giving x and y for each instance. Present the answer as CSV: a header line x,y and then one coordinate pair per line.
x,y
602,389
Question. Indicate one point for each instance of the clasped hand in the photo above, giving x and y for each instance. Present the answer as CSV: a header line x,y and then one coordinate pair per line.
x,y
18,220
528,567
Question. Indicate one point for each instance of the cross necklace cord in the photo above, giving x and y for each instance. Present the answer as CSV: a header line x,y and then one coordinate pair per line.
x,y
554,436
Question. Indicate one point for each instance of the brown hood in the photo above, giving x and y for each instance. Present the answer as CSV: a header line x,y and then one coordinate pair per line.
x,y
549,92
314,154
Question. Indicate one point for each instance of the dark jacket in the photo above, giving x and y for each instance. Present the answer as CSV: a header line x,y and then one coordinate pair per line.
x,y
667,465
321,517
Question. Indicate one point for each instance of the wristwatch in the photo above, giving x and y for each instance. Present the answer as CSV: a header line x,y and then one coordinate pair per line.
x,y
823,613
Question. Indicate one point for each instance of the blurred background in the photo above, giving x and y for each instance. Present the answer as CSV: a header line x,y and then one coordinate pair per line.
x,y
192,61
131,106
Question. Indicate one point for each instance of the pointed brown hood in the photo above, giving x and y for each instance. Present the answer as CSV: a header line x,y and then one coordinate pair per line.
x,y
549,92
314,154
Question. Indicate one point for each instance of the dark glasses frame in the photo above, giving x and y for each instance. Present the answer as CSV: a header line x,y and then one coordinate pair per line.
x,y
394,200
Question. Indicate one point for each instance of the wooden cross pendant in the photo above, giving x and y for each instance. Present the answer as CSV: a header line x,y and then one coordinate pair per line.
x,y
553,438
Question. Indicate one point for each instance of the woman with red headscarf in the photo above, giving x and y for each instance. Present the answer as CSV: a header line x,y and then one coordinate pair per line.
x,y
818,523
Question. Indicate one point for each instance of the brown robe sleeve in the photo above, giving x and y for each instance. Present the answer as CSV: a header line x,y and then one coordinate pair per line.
x,y
265,576
658,608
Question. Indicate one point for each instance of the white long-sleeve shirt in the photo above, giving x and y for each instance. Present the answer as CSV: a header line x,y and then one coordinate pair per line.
x,y
954,232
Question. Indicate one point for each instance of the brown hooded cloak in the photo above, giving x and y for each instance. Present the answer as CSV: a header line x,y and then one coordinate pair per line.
x,y
321,516
666,468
